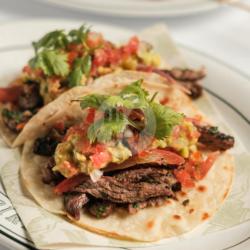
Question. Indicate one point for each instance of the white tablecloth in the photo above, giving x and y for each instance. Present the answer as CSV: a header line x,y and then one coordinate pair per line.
x,y
223,33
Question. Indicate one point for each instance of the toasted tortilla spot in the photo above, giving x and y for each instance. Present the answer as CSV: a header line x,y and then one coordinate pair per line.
x,y
164,100
182,194
191,210
205,216
225,194
201,188
168,202
150,224
177,217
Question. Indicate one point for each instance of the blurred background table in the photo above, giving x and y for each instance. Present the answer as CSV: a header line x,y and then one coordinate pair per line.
x,y
223,33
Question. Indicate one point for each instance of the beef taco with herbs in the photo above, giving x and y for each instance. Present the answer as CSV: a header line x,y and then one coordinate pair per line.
x,y
64,60
133,161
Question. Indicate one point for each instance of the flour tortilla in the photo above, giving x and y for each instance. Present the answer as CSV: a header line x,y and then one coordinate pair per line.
x,y
108,84
150,224
111,83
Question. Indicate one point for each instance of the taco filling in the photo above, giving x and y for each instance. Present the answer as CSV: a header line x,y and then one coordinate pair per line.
x,y
128,153
64,60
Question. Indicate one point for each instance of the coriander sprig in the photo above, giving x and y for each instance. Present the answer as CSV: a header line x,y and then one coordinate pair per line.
x,y
51,54
159,120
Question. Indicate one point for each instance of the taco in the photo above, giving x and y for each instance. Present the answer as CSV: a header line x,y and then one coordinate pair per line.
x,y
64,60
133,161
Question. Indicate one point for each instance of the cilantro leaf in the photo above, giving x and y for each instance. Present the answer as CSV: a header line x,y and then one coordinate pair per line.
x,y
52,40
135,88
104,129
92,101
51,62
166,118
76,74
81,66
79,35
86,64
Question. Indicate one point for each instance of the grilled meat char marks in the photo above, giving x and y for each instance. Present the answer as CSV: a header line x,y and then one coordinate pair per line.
x,y
101,208
128,187
73,204
30,97
213,139
46,145
189,79
26,105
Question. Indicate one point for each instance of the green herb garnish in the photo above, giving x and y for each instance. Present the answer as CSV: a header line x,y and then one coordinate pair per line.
x,y
50,55
158,121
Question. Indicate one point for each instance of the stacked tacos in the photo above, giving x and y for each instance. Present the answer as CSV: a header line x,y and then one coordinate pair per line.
x,y
129,157
65,60
112,140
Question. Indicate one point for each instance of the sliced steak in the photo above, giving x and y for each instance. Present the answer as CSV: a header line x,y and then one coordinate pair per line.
x,y
101,208
189,79
49,176
122,188
211,138
30,97
14,119
152,202
187,74
125,187
194,88
73,204
46,146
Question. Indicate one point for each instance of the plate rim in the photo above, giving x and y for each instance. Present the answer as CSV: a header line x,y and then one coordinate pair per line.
x,y
203,7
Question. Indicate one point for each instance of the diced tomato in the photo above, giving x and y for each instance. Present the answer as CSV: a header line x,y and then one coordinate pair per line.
x,y
59,125
20,126
184,178
90,116
10,94
101,159
144,68
162,156
75,47
27,69
196,120
69,168
196,156
176,132
72,55
100,57
131,47
205,166
69,183
164,101
94,40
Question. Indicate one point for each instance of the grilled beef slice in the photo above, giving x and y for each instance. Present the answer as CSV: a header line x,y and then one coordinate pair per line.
x,y
213,139
101,208
30,97
128,186
152,202
73,204
189,79
48,175
187,74
46,145
12,118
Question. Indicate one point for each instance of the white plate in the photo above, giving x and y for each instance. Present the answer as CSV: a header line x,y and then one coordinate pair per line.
x,y
225,84
141,8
